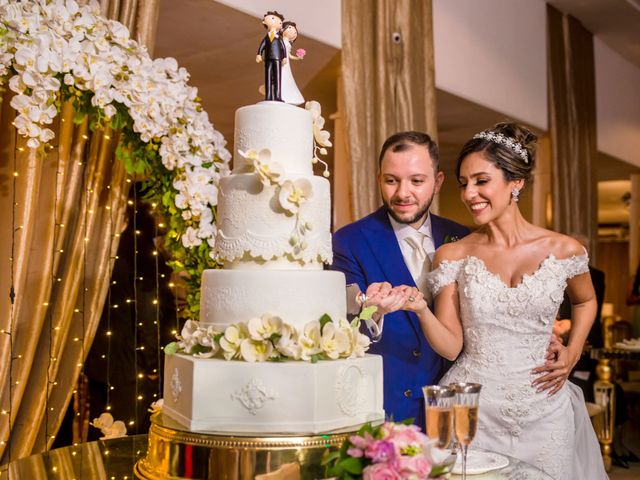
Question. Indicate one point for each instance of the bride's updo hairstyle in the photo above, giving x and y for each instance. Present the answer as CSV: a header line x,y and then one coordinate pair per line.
x,y
509,146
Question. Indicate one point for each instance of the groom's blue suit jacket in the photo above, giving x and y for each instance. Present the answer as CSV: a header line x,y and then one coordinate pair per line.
x,y
367,251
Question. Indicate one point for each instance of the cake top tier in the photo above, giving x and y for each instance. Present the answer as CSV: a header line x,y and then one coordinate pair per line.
x,y
285,130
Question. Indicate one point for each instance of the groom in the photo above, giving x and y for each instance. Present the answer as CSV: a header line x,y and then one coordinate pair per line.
x,y
396,244
273,52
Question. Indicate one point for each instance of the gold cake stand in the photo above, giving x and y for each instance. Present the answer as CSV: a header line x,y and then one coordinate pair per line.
x,y
176,453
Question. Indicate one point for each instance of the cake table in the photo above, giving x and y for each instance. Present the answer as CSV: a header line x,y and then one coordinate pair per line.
x,y
174,452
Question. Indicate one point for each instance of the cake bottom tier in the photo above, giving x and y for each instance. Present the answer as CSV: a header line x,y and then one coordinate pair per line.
x,y
289,397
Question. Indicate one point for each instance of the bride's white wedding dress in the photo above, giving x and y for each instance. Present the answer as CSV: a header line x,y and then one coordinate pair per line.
x,y
289,90
506,334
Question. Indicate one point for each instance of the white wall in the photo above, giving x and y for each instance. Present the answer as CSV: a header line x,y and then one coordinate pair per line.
x,y
493,52
317,19
617,104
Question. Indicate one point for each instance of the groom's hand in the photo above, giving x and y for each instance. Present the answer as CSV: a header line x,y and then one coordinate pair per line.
x,y
387,298
556,370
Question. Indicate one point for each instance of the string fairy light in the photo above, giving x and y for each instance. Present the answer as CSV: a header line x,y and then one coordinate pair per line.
x,y
50,308
12,297
83,301
135,304
113,260
157,305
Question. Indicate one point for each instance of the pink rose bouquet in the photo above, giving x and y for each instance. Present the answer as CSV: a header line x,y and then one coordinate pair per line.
x,y
300,52
391,451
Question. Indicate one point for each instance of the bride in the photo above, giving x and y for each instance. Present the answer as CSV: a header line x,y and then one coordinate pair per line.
x,y
496,295
289,90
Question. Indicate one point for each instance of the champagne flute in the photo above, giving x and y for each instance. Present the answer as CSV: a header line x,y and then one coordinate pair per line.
x,y
467,396
438,404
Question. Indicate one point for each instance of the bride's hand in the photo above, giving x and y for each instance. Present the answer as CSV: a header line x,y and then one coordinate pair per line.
x,y
556,370
388,299
415,299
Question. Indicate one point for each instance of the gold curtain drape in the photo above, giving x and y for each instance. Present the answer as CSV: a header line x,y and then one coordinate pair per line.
x,y
62,212
572,125
388,81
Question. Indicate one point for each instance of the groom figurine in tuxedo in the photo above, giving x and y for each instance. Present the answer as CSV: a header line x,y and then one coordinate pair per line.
x,y
273,52
395,245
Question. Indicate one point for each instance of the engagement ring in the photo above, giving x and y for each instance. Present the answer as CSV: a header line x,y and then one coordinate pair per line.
x,y
412,299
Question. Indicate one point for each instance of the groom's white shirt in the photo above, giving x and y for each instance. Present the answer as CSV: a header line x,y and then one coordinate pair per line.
x,y
402,231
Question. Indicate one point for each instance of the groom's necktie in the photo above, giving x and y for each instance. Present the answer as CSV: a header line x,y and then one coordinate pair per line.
x,y
419,263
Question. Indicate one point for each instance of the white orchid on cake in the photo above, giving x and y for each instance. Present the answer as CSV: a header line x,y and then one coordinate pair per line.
x,y
290,194
268,338
294,193
320,136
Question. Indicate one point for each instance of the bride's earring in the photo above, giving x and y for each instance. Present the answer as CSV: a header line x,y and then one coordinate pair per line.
x,y
515,195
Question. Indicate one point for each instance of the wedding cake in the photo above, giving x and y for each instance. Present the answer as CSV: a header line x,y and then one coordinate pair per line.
x,y
273,300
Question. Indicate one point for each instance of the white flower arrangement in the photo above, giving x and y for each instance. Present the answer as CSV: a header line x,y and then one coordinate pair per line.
x,y
54,50
268,338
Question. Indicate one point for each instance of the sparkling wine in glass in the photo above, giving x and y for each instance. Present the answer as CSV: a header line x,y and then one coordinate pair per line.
x,y
465,412
438,402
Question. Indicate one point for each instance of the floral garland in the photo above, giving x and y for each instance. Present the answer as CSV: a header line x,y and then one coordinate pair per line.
x,y
269,338
52,51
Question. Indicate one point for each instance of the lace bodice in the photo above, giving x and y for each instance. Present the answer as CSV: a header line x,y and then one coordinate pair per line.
x,y
502,323
506,334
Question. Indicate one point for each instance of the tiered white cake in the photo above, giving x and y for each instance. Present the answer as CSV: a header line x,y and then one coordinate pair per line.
x,y
273,237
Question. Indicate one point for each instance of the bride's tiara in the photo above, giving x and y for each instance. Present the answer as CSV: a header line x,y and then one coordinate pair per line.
x,y
497,137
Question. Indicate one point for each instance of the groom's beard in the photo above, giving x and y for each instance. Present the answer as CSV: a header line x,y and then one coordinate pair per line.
x,y
422,212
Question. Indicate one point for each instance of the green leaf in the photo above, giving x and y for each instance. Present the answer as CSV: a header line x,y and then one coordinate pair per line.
x,y
352,465
171,348
78,117
324,319
367,312
315,358
199,349
329,457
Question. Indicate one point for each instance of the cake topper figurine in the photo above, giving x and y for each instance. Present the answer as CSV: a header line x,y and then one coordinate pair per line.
x,y
273,52
289,89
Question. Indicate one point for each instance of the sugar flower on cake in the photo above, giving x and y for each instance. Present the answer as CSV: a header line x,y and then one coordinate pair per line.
x,y
358,342
188,336
310,341
260,161
320,136
264,327
109,427
156,407
207,340
232,339
287,345
334,341
256,350
294,193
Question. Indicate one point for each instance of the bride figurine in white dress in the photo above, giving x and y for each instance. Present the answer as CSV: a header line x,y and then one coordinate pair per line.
x,y
289,90
497,293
